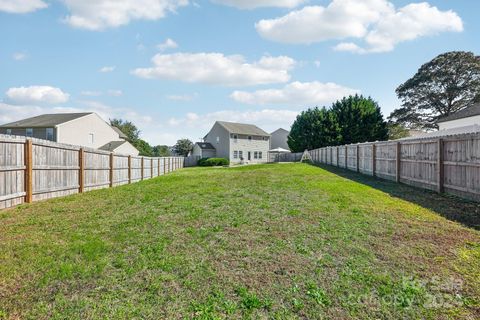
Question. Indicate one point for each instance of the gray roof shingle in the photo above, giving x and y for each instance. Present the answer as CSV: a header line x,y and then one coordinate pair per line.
x,y
112,145
45,120
205,145
120,133
242,128
464,113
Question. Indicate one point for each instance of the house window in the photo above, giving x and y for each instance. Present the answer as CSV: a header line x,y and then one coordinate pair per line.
x,y
249,138
218,139
255,155
235,138
29,132
260,155
235,154
240,155
9,131
91,138
49,134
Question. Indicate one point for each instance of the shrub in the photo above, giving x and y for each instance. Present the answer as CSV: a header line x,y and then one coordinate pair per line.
x,y
212,162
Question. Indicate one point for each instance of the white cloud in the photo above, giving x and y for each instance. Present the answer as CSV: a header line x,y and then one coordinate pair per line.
x,y
19,56
21,6
167,44
36,94
296,94
376,22
253,4
115,93
107,69
102,14
90,93
217,69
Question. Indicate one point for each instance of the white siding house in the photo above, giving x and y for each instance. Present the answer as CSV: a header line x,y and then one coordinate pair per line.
x,y
81,129
467,117
239,142
204,150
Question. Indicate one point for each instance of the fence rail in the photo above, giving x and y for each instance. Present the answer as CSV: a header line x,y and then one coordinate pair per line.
x,y
448,164
33,169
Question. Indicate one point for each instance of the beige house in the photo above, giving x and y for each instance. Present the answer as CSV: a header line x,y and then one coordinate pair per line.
x,y
82,129
239,142
279,139
204,150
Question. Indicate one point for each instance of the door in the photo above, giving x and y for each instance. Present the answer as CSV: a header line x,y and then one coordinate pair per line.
x,y
249,156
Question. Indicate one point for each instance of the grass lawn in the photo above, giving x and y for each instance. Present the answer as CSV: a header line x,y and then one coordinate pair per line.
x,y
269,241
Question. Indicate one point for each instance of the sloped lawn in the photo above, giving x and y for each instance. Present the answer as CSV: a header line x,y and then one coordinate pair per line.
x,y
271,241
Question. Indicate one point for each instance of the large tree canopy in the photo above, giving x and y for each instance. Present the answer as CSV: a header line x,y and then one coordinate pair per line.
x,y
350,120
314,128
183,147
445,85
128,128
360,120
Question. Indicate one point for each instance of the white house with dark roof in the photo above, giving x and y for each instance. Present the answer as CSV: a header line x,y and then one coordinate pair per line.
x,y
239,142
82,129
467,117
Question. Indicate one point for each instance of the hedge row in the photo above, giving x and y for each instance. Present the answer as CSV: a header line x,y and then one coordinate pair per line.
x,y
212,162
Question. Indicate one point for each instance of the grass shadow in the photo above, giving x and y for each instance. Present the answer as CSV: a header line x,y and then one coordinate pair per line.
x,y
451,207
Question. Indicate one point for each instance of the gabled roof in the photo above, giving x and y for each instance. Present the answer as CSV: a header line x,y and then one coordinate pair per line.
x,y
242,128
45,120
464,113
112,145
120,133
205,145
278,130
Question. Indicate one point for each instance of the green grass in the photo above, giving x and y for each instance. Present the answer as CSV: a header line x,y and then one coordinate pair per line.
x,y
270,241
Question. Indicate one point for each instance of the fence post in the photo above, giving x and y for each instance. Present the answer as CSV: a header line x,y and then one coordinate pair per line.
x,y
142,168
111,170
358,158
158,167
129,169
81,171
374,160
398,161
440,168
346,157
151,168
28,171
338,156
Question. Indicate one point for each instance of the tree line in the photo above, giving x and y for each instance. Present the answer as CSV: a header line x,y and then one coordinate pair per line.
x,y
445,85
182,147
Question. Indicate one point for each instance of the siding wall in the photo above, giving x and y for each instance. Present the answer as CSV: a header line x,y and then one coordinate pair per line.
x,y
33,170
449,164
242,143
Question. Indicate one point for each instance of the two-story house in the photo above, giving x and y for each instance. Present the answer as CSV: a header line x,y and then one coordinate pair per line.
x,y
82,129
237,142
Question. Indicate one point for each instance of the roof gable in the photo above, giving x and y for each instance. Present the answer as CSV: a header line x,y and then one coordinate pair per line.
x,y
112,145
242,128
464,113
46,120
279,130
205,145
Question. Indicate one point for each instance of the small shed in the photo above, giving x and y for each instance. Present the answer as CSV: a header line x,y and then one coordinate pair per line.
x,y
204,150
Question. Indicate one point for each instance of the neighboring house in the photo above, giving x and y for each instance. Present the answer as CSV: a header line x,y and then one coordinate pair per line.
x,y
467,117
204,150
239,142
82,129
121,147
279,139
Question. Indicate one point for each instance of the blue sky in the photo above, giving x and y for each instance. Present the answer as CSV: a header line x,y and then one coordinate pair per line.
x,y
175,66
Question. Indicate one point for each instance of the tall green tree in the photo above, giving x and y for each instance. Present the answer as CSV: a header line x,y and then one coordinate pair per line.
x,y
313,128
397,131
161,151
183,147
360,120
445,85
128,128
143,148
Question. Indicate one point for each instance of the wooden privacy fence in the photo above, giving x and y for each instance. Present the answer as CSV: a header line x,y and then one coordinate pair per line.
x,y
448,164
33,170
